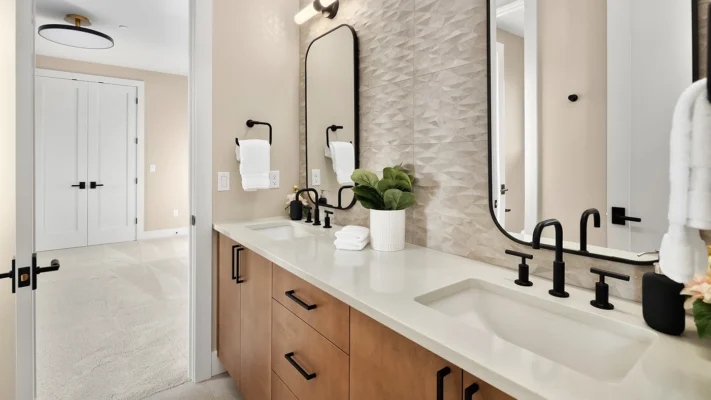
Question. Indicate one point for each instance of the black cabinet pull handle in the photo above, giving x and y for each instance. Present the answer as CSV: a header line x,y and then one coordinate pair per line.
x,y
236,250
307,307
94,185
290,357
440,381
81,185
471,391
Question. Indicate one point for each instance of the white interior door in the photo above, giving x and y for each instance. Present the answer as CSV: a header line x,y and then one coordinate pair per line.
x,y
112,163
61,168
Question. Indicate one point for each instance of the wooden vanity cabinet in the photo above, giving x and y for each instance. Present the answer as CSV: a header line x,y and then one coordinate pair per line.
x,y
388,366
483,391
228,308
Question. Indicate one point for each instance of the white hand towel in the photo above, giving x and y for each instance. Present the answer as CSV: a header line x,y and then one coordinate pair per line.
x,y
353,233
343,157
352,246
682,253
255,164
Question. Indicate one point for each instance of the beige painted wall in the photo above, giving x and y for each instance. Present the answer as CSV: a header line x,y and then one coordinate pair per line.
x,y
166,138
7,196
255,76
514,114
573,136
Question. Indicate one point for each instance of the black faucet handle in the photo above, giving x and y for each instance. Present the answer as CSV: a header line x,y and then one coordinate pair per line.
x,y
328,212
602,289
523,269
523,256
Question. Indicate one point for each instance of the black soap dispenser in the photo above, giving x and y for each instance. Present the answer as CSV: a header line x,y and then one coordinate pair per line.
x,y
662,303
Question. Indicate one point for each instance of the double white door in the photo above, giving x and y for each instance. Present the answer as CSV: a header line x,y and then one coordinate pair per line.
x,y
85,163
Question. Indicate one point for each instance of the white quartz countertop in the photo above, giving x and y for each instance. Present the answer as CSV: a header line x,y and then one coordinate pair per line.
x,y
384,287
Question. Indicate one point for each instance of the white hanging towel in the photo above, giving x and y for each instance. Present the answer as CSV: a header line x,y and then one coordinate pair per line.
x,y
255,163
343,157
683,254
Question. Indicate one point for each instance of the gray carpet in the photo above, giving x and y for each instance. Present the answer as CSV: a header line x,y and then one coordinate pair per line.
x,y
113,322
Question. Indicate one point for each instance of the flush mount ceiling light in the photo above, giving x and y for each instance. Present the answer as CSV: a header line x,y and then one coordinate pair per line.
x,y
329,9
76,35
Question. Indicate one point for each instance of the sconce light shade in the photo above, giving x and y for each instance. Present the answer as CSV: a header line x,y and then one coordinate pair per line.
x,y
329,9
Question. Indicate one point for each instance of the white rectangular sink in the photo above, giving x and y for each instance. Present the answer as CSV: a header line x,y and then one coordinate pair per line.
x,y
283,230
599,347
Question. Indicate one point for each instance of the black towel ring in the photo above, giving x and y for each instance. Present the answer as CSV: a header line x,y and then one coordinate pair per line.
x,y
251,123
331,128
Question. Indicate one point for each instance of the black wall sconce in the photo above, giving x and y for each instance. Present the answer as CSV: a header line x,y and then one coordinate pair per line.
x,y
327,8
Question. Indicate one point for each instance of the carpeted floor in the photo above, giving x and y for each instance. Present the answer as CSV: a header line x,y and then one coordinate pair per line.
x,y
113,322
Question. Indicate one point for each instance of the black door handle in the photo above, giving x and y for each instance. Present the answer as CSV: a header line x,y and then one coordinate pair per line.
x,y
290,357
619,216
53,266
81,185
10,275
307,307
471,391
440,381
94,185
236,250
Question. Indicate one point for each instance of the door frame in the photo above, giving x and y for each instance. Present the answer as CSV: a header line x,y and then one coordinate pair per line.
x,y
140,128
201,271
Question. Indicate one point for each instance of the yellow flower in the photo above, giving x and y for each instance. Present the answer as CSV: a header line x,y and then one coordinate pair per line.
x,y
296,189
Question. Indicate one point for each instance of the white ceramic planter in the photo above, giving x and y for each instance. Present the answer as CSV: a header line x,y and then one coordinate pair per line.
x,y
387,230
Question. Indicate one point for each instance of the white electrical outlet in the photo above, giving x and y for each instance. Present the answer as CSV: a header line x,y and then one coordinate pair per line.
x,y
274,180
175,213
153,168
223,181
315,177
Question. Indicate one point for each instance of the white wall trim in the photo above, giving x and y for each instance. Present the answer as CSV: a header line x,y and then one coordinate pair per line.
x,y
217,367
200,87
531,120
140,129
164,233
509,8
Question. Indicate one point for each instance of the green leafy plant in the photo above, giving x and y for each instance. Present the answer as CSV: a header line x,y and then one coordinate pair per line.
x,y
392,192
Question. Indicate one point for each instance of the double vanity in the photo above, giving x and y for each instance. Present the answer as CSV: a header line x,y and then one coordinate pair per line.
x,y
298,319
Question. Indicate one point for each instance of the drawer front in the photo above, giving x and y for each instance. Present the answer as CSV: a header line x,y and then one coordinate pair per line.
x,y
279,389
315,368
323,312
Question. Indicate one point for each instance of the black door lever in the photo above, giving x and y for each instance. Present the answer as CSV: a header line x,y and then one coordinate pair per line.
x,y
81,185
53,266
94,185
619,216
10,275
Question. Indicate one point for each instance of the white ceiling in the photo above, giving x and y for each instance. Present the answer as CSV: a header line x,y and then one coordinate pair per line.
x,y
156,38
510,16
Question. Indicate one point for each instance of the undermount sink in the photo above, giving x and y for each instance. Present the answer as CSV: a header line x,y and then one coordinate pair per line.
x,y
599,347
280,231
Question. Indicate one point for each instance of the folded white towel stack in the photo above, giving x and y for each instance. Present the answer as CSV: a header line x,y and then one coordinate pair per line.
x,y
343,157
255,163
683,253
352,238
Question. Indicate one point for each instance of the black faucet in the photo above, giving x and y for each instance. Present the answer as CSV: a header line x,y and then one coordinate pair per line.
x,y
317,220
558,265
584,226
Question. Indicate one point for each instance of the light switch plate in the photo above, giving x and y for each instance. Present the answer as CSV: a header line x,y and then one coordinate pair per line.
x,y
315,177
176,212
153,168
274,180
223,181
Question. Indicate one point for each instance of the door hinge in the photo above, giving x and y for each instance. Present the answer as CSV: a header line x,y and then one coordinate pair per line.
x,y
136,140
136,221
192,219
136,181
136,100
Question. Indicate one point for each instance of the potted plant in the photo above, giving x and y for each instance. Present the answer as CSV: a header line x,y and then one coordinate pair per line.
x,y
699,300
387,199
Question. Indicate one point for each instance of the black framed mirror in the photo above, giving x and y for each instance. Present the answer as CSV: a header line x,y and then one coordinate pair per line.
x,y
574,124
332,116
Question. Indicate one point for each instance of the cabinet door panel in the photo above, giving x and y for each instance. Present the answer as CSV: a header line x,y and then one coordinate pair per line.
x,y
485,391
388,366
228,310
256,272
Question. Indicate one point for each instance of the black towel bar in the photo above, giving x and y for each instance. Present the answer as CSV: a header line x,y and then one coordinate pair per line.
x,y
251,123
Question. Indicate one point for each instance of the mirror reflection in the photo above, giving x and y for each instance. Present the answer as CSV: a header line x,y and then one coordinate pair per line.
x,y
582,98
332,116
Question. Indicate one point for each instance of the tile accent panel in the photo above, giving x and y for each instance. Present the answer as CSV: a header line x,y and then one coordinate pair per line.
x,y
424,104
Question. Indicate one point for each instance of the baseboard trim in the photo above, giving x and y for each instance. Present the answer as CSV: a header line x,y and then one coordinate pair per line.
x,y
217,367
163,233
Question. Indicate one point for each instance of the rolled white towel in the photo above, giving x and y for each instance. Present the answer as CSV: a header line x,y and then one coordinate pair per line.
x,y
350,245
355,235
